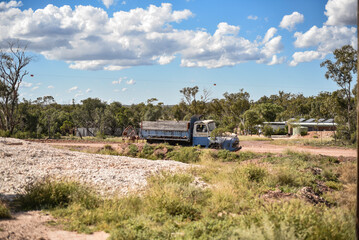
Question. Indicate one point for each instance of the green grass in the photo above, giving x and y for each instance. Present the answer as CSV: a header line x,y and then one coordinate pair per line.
x,y
4,211
231,207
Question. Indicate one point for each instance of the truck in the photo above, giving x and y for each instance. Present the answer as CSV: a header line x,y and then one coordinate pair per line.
x,y
195,132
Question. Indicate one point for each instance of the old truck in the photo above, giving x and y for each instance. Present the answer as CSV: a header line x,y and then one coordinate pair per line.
x,y
194,132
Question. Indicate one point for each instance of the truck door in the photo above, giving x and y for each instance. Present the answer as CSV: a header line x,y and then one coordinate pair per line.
x,y
200,135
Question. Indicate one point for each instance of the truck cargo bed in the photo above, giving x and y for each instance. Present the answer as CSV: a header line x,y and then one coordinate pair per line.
x,y
166,130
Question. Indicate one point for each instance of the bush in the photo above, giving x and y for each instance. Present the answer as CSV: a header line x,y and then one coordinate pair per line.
x,y
185,154
133,150
49,194
228,156
4,211
254,173
107,150
268,131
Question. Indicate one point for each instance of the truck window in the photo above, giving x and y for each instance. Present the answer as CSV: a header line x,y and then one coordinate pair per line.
x,y
211,126
201,128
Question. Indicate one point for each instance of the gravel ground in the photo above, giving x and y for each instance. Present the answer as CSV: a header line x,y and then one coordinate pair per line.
x,y
23,162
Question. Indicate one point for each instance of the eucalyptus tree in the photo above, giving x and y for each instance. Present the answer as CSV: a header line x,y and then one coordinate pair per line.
x,y
13,61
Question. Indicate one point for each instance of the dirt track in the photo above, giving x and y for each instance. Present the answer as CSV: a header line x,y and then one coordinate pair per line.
x,y
253,146
264,146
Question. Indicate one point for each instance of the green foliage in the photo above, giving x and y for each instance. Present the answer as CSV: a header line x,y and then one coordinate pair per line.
x,y
4,211
254,173
133,150
185,154
268,131
227,156
107,150
235,205
49,194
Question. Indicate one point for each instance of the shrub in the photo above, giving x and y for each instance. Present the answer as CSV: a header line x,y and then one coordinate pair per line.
x,y
176,196
49,194
133,150
107,150
254,173
4,211
227,156
185,154
268,131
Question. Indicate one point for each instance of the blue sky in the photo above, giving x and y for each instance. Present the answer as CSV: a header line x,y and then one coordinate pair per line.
x,y
133,50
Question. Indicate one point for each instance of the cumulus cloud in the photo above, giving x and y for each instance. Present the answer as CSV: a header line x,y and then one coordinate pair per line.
x,y
306,56
332,35
51,87
252,17
289,21
88,90
87,38
74,88
124,89
107,3
327,38
269,34
11,4
276,60
341,12
34,88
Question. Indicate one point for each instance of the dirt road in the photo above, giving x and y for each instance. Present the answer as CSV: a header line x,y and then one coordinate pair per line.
x,y
264,146
33,225
253,146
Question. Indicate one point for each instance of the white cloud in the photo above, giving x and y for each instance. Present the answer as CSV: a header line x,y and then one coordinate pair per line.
x,y
289,21
74,88
34,88
11,4
341,12
275,60
88,90
269,34
123,2
252,17
306,56
327,38
87,38
25,84
124,89
78,94
51,87
107,3
130,82
119,80
331,36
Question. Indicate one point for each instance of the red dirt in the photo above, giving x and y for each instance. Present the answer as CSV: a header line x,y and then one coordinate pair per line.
x,y
253,146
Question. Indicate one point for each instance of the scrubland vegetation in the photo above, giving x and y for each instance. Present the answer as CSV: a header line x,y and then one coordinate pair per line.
x,y
225,195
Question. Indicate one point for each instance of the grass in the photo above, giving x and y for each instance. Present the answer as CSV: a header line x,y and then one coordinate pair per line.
x,y
4,211
253,138
315,142
232,207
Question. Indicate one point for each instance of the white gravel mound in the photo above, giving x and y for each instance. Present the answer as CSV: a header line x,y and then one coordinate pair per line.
x,y
23,162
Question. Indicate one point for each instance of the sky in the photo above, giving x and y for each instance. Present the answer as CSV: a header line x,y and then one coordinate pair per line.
x,y
133,50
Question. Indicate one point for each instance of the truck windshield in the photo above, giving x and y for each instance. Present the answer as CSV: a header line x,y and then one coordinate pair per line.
x,y
211,126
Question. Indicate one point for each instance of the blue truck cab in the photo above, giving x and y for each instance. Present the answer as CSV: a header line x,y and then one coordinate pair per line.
x,y
195,132
202,136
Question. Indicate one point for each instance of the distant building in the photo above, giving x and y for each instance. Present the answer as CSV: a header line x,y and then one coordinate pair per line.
x,y
302,123
312,124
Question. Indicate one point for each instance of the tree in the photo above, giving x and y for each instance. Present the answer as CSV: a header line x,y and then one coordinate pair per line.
x,y
12,71
341,72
